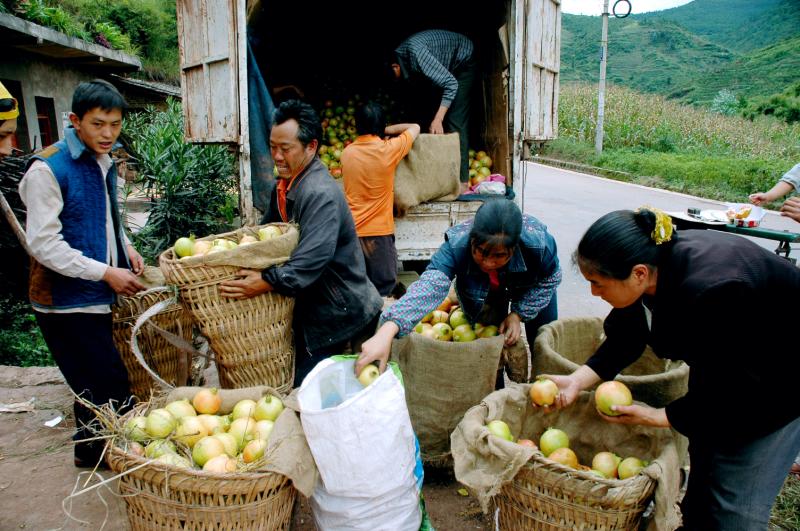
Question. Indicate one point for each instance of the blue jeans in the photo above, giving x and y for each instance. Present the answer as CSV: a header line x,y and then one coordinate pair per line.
x,y
733,488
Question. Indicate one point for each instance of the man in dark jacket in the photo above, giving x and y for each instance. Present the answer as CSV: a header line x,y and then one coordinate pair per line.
x,y
336,304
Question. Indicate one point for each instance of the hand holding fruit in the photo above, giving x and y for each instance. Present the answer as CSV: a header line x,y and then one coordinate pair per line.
x,y
639,414
377,348
568,390
249,285
511,328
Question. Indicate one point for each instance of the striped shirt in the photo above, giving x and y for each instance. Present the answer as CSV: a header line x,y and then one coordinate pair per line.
x,y
435,54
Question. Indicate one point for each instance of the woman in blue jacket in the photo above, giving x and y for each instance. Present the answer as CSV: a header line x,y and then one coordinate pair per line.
x,y
499,258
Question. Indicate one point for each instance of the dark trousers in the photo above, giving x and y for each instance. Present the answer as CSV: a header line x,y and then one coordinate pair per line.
x,y
305,360
380,256
82,345
457,118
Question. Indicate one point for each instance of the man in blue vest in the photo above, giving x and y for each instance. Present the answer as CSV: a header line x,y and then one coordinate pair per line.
x,y
81,256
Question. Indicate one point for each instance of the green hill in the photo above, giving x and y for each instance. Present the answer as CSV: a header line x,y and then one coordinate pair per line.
x,y
693,51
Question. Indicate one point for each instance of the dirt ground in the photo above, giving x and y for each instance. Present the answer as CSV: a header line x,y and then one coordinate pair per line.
x,y
37,475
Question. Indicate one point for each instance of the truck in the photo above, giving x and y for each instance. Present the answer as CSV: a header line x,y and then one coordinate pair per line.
x,y
517,44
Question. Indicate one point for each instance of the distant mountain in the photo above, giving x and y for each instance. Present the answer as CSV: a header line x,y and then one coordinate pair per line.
x,y
692,51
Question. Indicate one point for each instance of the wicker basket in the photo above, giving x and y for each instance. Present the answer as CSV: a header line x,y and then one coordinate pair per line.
x,y
160,355
251,338
563,345
546,495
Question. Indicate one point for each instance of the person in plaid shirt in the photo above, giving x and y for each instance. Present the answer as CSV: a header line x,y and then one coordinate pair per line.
x,y
445,60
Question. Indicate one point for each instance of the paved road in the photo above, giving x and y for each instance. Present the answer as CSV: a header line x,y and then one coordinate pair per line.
x,y
568,202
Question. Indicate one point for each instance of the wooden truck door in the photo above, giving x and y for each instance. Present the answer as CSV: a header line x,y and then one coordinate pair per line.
x,y
535,70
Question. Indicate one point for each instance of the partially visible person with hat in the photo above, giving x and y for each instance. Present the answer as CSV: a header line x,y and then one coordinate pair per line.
x,y
9,111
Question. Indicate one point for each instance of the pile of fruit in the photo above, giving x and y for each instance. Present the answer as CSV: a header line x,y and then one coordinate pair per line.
x,y
554,443
187,246
480,167
194,435
449,323
338,131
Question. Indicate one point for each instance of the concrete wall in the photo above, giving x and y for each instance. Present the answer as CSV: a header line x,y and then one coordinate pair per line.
x,y
49,79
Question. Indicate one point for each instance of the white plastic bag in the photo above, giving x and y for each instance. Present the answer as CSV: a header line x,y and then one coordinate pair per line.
x,y
364,447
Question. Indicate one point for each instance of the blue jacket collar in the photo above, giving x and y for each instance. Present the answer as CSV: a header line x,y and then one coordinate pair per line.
x,y
74,143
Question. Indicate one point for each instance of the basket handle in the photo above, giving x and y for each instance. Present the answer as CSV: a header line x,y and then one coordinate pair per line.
x,y
173,339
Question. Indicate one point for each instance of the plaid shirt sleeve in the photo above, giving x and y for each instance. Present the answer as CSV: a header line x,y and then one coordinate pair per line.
x,y
537,298
423,296
439,75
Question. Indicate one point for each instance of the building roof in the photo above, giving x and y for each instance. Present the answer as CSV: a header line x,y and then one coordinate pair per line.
x,y
150,86
23,35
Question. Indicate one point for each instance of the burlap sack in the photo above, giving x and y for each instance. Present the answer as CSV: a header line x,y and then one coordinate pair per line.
x,y
258,255
287,448
429,172
515,360
486,463
442,381
563,345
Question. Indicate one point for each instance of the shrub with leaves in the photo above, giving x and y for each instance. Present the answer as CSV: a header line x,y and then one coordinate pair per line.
x,y
725,102
192,187
21,342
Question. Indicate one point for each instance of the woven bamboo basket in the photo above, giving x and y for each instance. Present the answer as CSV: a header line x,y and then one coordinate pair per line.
x,y
563,345
251,338
548,496
160,355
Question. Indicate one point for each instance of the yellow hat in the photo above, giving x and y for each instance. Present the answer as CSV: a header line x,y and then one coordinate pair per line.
x,y
4,113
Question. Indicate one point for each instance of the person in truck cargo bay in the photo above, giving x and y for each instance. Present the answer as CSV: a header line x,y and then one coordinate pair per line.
x,y
715,301
368,167
444,59
336,303
82,258
500,257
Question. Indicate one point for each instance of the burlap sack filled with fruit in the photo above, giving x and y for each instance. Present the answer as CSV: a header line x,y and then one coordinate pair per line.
x,y
442,381
251,338
565,344
533,492
429,172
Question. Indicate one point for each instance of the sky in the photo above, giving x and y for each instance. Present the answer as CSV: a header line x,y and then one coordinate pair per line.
x,y
595,7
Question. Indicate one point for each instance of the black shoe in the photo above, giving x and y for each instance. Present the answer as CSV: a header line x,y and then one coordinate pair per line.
x,y
91,463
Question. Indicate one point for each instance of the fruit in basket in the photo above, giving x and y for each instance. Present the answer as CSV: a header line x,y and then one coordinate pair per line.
x,y
629,467
224,243
543,392
247,240
243,430
174,460
612,393
229,442
254,450
269,232
181,408
243,409
135,429
160,423
527,442
264,429
207,401
201,247
221,464
439,316
212,423
207,448
565,456
487,331
158,448
422,326
184,247
553,439
442,332
445,305
606,463
464,333
134,448
268,407
428,332
368,374
458,318
498,428
189,431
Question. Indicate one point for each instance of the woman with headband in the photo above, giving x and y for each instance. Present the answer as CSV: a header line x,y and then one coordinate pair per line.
x,y
9,110
718,302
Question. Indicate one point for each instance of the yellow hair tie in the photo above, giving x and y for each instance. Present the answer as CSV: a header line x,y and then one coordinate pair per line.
x,y
664,228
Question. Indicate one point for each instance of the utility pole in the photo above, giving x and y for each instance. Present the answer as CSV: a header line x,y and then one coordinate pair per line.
x,y
601,94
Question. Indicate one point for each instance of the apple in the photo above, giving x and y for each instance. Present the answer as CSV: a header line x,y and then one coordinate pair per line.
x,y
247,240
442,332
422,326
243,409
565,456
269,232
527,442
216,249
184,247
478,327
553,439
201,247
458,318
323,148
629,467
190,430
268,407
606,463
498,428
543,392
263,429
254,450
612,393
427,318
486,162
488,331
429,332
368,374
471,153
439,316
463,333
479,155
135,429
336,173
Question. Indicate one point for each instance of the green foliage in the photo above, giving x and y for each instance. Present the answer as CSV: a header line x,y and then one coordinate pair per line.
x,y
21,342
674,146
40,12
725,102
786,511
115,37
192,186
784,106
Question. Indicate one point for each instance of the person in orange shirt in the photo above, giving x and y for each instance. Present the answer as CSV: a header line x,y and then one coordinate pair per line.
x,y
368,167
